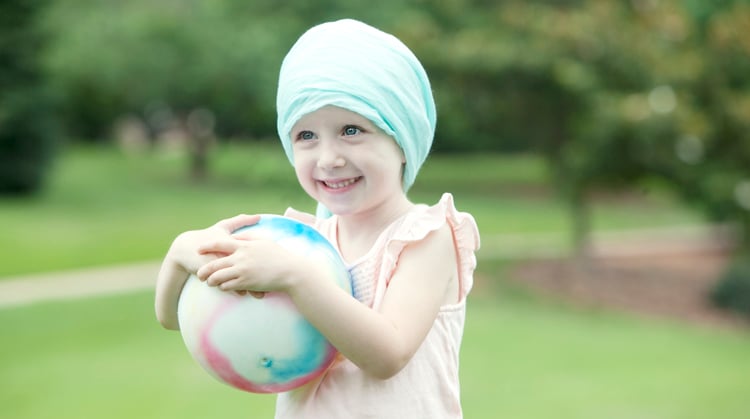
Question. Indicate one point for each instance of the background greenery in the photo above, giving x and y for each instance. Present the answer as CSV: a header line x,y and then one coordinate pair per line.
x,y
105,206
611,93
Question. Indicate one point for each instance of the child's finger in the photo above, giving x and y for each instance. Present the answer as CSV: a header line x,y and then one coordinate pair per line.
x,y
231,284
238,221
220,278
257,294
211,268
226,247
247,235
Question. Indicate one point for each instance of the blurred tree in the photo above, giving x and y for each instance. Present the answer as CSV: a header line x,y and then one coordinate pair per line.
x,y
27,129
718,177
732,292
140,56
611,92
162,62
189,70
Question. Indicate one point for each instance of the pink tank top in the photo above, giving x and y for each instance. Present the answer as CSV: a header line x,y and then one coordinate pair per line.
x,y
428,386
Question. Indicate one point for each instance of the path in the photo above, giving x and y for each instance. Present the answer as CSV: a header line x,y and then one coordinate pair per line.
x,y
28,289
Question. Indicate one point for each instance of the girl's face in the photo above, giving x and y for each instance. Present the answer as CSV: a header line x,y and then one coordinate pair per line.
x,y
345,162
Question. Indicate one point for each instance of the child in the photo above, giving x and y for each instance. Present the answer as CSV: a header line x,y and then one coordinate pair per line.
x,y
356,118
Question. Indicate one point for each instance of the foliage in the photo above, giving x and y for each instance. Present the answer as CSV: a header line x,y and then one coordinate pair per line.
x,y
733,290
161,60
613,93
156,60
27,132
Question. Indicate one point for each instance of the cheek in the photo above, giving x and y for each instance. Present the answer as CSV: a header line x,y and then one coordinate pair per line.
x,y
304,174
300,170
299,161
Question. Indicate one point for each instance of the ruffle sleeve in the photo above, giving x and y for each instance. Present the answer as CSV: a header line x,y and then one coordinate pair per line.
x,y
420,223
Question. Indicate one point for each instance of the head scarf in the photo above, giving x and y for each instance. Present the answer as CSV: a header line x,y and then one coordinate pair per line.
x,y
362,69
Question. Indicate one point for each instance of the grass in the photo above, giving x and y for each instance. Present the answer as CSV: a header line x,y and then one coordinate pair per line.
x,y
103,207
105,357
542,358
522,358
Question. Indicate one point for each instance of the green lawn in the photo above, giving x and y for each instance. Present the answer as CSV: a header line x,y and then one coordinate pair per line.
x,y
522,358
103,207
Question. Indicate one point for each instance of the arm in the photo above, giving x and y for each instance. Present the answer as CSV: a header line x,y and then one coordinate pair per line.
x,y
182,259
379,342
171,278
382,343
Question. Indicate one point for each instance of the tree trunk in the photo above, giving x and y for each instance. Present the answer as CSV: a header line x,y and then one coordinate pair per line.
x,y
199,157
581,225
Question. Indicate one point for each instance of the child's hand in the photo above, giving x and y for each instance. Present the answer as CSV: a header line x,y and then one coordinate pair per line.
x,y
183,258
185,249
256,265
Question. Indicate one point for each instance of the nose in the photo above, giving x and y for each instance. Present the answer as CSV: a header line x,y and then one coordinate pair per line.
x,y
330,156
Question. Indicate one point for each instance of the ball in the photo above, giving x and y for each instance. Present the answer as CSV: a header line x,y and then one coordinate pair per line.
x,y
260,345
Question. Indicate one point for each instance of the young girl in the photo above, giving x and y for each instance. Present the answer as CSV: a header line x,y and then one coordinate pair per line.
x,y
356,118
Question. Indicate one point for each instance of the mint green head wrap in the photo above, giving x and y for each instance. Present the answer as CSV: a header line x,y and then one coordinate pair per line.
x,y
354,66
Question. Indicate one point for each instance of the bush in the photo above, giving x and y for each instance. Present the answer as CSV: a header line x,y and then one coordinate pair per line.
x,y
27,142
27,132
733,290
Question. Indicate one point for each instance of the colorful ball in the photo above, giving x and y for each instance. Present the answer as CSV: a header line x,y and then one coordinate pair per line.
x,y
260,345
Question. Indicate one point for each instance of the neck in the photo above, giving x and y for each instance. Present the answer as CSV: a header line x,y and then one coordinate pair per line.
x,y
358,232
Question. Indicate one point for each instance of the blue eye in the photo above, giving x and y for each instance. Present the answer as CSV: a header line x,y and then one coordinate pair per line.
x,y
305,135
351,130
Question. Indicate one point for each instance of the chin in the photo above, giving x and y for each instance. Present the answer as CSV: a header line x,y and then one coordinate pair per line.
x,y
337,210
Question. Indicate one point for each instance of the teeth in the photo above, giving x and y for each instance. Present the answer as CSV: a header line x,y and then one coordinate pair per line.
x,y
341,184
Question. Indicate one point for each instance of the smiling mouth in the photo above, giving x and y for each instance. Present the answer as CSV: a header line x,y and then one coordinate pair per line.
x,y
341,183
